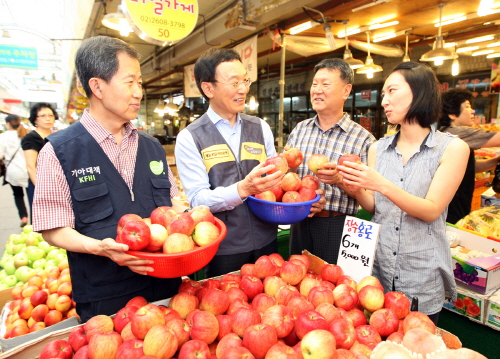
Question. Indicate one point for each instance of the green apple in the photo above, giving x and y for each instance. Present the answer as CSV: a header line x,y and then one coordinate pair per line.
x,y
18,248
9,267
6,256
9,281
34,253
3,274
39,263
11,237
28,229
49,264
54,252
9,248
19,239
21,260
45,246
32,239
23,274
59,257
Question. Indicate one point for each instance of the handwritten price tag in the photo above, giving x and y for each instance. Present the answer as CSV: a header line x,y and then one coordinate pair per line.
x,y
357,249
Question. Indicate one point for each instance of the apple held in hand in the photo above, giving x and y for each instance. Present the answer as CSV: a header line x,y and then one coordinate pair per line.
x,y
205,233
162,215
278,192
181,223
350,158
124,220
136,235
280,163
291,182
310,181
266,196
294,157
316,162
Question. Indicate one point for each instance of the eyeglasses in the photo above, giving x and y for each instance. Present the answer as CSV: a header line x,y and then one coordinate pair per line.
x,y
237,84
45,116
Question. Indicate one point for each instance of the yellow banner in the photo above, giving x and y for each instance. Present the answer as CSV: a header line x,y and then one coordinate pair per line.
x,y
216,154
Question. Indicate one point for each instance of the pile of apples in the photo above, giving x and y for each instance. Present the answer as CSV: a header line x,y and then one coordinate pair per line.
x,y
44,300
273,309
292,188
167,231
24,254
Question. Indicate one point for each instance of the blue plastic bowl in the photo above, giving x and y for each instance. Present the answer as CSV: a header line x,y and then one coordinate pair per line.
x,y
279,212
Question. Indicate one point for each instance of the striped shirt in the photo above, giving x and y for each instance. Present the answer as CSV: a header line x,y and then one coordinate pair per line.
x,y
344,137
412,254
52,204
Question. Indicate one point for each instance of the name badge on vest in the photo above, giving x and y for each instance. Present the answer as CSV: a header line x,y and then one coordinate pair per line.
x,y
253,151
216,154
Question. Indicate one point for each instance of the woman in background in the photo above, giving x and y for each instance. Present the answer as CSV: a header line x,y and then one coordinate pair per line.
x,y
410,179
42,116
16,175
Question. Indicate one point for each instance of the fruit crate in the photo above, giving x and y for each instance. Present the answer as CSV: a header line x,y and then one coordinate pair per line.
x,y
476,198
469,304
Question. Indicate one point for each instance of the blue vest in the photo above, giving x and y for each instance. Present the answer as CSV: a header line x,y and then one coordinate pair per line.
x,y
100,197
245,232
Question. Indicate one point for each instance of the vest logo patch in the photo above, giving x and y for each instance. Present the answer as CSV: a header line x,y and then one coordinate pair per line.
x,y
86,174
216,154
156,167
253,150
209,155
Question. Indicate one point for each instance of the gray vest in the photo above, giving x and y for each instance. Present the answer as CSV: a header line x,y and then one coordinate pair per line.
x,y
245,232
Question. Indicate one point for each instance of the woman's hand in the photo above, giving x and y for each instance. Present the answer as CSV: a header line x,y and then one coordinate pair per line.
x,y
358,176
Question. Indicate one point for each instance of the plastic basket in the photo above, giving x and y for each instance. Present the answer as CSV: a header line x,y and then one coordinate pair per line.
x,y
279,212
476,198
181,264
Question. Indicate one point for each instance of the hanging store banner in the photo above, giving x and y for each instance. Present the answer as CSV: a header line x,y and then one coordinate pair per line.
x,y
18,57
161,22
248,54
190,87
495,75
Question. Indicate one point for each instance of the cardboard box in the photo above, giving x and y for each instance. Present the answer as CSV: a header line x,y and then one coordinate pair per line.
x,y
488,269
493,311
469,304
489,198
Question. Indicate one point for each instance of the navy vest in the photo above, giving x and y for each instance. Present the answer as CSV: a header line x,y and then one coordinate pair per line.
x,y
100,197
245,232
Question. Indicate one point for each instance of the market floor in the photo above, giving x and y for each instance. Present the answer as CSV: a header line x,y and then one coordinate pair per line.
x,y
9,219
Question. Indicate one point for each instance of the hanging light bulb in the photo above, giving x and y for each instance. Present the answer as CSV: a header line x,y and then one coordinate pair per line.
x,y
455,68
171,108
439,53
160,108
252,104
329,35
438,62
353,63
117,21
406,58
370,66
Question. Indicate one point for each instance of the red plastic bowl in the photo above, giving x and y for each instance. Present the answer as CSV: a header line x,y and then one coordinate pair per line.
x,y
180,264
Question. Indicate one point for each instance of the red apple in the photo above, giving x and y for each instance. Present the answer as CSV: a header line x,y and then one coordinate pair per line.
x,y
345,279
368,335
282,351
204,326
180,328
83,353
368,280
331,273
328,311
345,297
301,257
308,321
291,182
202,213
251,286
146,318
280,318
169,313
316,162
214,301
160,342
136,235
194,349
291,273
189,286
77,338
56,349
225,322
231,277
349,157
357,317
277,259
183,303
244,318
127,332
385,321
307,194
158,236
264,267
418,320
98,324
279,162
278,192
397,302
247,269
293,340
272,284
285,293
211,283
320,294
104,345
293,156
123,317
396,337
262,301
345,354
318,344
291,197
205,233
371,298
266,196
125,219
310,181
361,351
344,333
138,302
237,304
177,243
259,339
162,215
298,305
307,284
235,293
181,223
237,353
230,340
130,349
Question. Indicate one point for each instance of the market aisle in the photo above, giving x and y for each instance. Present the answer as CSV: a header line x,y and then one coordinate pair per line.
x,y
9,220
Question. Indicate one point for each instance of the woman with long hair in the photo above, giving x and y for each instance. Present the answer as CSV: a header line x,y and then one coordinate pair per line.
x,y
410,179
16,175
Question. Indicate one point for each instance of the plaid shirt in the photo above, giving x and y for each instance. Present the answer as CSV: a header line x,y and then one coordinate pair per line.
x,y
52,205
344,137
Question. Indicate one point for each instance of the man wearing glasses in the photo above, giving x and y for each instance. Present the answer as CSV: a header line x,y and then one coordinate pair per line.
x,y
220,160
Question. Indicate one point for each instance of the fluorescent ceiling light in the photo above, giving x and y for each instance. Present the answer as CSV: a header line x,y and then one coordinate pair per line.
x,y
480,39
303,27
467,49
357,30
486,8
373,3
493,44
482,52
496,54
450,44
390,35
382,25
451,21
350,32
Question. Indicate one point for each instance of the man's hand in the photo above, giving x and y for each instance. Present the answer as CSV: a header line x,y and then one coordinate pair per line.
x,y
116,252
318,206
330,174
254,183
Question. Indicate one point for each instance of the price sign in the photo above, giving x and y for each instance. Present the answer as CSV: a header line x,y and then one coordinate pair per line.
x,y
357,248
161,22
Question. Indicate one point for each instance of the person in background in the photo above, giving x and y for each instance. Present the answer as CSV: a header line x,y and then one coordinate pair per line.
x,y
42,116
332,133
95,171
410,179
16,175
457,118
241,144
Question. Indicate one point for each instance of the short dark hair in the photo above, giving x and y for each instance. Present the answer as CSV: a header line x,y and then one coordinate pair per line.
x,y
204,69
37,107
426,104
452,101
346,73
98,57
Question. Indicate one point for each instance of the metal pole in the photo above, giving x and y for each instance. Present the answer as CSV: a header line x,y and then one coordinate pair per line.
x,y
281,116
